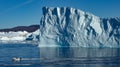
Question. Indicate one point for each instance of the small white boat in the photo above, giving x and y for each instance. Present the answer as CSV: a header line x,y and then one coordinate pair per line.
x,y
15,59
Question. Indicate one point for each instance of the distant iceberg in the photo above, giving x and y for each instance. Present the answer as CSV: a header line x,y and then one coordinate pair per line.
x,y
19,36
73,27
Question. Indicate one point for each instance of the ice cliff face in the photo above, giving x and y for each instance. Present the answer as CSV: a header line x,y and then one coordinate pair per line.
x,y
34,36
73,27
19,36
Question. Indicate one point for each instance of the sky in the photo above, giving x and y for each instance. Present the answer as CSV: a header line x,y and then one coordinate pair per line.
x,y
27,12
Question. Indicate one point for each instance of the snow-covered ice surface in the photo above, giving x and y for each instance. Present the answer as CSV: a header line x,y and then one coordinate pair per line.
x,y
73,27
20,36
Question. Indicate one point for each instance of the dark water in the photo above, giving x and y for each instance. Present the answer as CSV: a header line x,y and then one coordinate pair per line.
x,y
33,56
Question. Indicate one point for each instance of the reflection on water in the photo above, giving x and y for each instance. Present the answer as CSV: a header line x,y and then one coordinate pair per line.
x,y
72,52
81,57
33,56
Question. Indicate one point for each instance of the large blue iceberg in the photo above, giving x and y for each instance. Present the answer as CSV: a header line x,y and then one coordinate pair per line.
x,y
72,27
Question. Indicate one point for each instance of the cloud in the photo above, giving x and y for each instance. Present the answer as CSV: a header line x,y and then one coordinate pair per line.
x,y
17,6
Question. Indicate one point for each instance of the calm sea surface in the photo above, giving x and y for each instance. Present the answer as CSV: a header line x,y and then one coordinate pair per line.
x,y
33,56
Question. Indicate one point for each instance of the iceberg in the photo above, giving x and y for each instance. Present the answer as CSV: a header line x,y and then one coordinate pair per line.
x,y
65,26
19,37
20,34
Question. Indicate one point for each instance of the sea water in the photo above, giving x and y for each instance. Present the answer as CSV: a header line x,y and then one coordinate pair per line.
x,y
33,56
